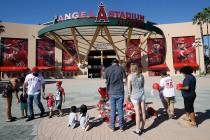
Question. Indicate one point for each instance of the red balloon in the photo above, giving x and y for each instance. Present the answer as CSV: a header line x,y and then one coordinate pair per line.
x,y
179,85
156,86
129,106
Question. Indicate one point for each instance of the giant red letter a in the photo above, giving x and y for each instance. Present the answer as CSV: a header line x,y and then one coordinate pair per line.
x,y
101,14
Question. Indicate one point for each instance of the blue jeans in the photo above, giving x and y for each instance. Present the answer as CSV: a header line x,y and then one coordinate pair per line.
x,y
37,100
117,101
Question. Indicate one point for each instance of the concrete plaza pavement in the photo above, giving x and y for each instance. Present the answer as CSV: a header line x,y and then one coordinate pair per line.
x,y
84,91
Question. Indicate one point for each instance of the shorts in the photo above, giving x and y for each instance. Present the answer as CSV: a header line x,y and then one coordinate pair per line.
x,y
170,100
189,104
138,100
58,104
23,106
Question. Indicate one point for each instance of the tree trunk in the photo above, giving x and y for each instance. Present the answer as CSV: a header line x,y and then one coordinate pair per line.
x,y
201,30
207,26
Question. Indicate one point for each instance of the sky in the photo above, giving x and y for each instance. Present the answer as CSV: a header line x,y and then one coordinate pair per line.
x,y
158,11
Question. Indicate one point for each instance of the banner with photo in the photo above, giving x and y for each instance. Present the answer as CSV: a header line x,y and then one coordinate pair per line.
x,y
69,60
133,53
156,51
184,51
14,52
45,52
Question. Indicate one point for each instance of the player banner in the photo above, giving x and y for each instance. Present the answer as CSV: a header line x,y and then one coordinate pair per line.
x,y
69,60
156,51
133,52
14,52
45,52
184,50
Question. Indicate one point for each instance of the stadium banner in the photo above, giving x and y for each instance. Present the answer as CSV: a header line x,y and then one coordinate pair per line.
x,y
69,60
45,52
133,53
156,51
14,52
184,51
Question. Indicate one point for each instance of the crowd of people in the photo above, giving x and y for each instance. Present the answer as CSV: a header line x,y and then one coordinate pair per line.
x,y
115,75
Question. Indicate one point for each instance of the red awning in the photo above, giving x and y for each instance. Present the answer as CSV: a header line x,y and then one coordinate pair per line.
x,y
180,65
158,67
12,69
47,68
70,68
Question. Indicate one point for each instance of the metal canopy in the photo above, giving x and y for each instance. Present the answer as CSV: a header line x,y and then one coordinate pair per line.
x,y
87,34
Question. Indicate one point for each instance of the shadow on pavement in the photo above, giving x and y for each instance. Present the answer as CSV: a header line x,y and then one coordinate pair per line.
x,y
178,113
162,116
202,116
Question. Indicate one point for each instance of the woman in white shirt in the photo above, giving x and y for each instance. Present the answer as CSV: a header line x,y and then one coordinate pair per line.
x,y
136,93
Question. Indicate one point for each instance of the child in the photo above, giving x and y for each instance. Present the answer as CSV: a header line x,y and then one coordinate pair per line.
x,y
23,105
50,103
73,117
84,118
60,97
167,88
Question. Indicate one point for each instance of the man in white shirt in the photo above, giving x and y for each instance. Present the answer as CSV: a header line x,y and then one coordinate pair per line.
x,y
34,83
168,90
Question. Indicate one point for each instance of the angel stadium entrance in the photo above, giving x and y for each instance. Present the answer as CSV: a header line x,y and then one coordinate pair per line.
x,y
83,43
110,34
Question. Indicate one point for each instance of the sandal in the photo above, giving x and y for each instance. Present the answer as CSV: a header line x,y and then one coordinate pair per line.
x,y
193,124
9,120
186,119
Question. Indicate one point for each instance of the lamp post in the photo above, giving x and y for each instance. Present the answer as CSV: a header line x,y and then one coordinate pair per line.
x,y
102,64
198,44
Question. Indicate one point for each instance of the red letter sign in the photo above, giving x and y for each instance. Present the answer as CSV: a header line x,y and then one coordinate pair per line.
x,y
101,14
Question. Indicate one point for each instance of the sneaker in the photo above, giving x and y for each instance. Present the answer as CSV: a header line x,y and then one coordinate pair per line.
x,y
112,129
29,119
9,120
135,132
42,114
142,131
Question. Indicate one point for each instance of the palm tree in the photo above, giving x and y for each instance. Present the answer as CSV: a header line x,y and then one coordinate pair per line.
x,y
199,19
206,12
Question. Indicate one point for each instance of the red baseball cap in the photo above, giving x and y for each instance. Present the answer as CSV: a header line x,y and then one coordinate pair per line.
x,y
35,69
59,83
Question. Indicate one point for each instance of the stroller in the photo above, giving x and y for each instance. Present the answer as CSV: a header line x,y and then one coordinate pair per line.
x,y
104,107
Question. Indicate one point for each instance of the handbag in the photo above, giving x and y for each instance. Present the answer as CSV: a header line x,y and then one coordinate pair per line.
x,y
7,90
5,93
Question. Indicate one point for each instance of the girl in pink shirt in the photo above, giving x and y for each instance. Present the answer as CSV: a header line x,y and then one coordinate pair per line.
x,y
50,103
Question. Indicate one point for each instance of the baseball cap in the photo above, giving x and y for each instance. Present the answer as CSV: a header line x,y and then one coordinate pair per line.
x,y
59,83
35,69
